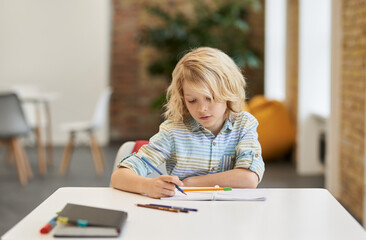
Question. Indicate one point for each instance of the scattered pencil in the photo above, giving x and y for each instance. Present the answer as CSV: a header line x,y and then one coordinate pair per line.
x,y
162,208
180,208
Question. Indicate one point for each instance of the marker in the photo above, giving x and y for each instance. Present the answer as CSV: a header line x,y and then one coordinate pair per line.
x,y
82,223
158,171
63,220
208,189
48,227
179,208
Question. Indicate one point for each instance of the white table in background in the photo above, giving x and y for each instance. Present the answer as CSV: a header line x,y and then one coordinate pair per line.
x,y
42,100
286,214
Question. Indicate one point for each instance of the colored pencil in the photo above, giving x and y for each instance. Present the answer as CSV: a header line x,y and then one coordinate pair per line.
x,y
162,208
179,208
208,189
158,171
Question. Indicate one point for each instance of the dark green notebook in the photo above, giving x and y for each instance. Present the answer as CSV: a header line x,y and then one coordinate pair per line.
x,y
101,222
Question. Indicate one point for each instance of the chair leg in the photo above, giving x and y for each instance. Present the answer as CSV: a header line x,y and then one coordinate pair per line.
x,y
67,154
100,151
97,154
42,165
9,156
49,144
26,161
18,156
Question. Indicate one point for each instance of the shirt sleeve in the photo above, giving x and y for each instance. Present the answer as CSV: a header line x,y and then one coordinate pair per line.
x,y
157,152
248,150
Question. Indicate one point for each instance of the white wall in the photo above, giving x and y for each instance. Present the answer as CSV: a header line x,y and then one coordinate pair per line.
x,y
332,159
275,49
61,46
314,80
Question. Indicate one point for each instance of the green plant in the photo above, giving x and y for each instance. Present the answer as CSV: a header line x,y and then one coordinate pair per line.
x,y
222,24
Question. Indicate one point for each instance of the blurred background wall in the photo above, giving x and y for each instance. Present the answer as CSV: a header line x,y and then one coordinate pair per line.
x,y
62,47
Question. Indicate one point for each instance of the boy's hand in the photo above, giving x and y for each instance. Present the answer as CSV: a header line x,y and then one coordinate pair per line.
x,y
162,186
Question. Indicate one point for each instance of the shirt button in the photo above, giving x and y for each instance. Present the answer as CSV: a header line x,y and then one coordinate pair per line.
x,y
256,155
214,143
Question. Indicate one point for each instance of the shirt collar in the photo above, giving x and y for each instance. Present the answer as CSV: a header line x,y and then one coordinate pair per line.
x,y
228,125
195,125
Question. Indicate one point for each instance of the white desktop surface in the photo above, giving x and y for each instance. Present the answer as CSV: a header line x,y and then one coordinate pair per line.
x,y
286,214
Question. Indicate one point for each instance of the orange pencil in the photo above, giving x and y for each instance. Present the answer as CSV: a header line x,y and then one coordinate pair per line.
x,y
208,189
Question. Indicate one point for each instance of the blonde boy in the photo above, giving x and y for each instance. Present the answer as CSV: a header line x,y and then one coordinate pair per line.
x,y
207,139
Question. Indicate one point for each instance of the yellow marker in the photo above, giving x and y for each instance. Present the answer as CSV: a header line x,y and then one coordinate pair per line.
x,y
63,220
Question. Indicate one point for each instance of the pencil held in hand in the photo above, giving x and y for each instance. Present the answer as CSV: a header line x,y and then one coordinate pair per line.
x,y
158,171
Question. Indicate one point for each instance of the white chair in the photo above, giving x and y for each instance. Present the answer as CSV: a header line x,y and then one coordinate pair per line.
x,y
125,150
89,127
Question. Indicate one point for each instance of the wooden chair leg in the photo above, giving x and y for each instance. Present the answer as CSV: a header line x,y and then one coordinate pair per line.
x,y
49,143
21,167
9,156
100,152
97,155
67,154
42,165
26,161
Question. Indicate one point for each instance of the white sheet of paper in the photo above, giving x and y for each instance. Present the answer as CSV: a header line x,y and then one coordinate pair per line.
x,y
234,195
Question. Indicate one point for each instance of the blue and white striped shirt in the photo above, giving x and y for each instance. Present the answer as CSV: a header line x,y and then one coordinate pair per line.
x,y
188,149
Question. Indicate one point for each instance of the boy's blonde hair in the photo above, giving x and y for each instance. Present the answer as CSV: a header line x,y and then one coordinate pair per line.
x,y
211,71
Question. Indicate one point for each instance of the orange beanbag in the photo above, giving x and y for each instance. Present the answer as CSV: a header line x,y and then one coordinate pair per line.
x,y
276,130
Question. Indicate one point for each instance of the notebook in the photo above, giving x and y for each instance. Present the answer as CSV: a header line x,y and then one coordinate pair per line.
x,y
100,222
234,195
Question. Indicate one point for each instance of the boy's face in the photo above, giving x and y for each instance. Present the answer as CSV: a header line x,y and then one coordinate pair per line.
x,y
203,109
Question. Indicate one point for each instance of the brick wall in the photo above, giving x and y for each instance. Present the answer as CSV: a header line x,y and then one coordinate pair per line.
x,y
131,117
353,106
255,77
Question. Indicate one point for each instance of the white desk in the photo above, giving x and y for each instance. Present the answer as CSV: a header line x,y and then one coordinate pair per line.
x,y
286,214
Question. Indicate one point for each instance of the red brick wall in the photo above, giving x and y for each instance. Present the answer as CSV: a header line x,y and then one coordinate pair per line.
x,y
353,106
131,117
255,77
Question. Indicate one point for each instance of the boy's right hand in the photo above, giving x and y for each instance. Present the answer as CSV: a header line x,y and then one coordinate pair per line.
x,y
162,186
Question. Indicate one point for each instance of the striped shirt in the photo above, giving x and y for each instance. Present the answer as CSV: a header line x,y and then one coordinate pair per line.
x,y
188,149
